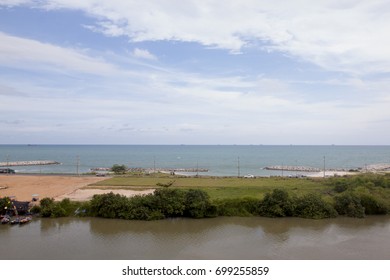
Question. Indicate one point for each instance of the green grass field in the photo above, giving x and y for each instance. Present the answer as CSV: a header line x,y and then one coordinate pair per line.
x,y
221,187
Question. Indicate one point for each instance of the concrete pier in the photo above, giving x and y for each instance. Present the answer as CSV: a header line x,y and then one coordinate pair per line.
x,y
28,162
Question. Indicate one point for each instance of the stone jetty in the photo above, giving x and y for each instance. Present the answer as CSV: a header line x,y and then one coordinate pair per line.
x,y
150,170
293,168
29,162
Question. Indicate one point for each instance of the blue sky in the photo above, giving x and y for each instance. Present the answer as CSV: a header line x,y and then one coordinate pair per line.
x,y
194,72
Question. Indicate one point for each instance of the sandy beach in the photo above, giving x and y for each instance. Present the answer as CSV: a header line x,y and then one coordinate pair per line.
x,y
23,187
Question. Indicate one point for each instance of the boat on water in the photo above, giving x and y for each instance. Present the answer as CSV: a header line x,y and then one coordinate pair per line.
x,y
15,221
25,220
6,219
18,220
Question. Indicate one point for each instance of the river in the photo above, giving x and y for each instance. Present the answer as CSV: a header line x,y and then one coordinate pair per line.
x,y
217,238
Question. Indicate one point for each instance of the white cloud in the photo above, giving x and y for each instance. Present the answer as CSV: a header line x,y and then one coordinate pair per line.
x,y
144,54
11,3
337,35
34,55
137,97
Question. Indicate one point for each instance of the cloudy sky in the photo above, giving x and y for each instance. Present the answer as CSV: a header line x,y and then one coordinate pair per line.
x,y
195,72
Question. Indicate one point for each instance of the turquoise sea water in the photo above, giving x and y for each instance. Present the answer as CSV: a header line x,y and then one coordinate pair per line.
x,y
219,160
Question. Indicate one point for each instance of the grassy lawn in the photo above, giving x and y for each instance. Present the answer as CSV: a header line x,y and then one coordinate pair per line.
x,y
222,187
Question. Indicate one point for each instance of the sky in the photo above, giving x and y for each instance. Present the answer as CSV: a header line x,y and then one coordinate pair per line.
x,y
281,72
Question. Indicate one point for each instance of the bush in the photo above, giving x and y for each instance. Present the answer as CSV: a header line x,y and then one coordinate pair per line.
x,y
350,205
5,204
314,207
109,206
341,186
170,202
197,204
372,205
238,207
163,203
52,209
119,169
276,204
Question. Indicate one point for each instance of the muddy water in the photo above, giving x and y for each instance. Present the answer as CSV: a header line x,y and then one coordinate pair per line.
x,y
219,238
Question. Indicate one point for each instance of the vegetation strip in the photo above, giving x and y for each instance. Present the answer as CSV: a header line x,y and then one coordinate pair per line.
x,y
354,196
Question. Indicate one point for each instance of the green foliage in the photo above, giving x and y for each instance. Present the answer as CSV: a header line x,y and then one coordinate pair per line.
x,y
243,207
276,204
109,205
163,203
350,205
341,185
36,209
49,208
314,207
119,168
5,203
365,180
165,185
170,202
197,204
372,205
359,204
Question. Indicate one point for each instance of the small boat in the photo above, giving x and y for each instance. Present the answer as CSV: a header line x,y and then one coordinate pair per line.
x,y
6,219
15,221
25,220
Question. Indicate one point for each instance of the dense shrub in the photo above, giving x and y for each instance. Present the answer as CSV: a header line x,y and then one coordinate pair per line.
x,y
110,206
170,202
276,204
5,204
238,207
372,205
163,203
52,209
350,205
341,185
119,168
314,207
197,204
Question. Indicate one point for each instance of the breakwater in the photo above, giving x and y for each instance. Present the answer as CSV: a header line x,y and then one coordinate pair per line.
x,y
151,170
378,167
29,163
301,168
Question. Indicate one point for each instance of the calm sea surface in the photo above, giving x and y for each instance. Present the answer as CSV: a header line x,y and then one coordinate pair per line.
x,y
218,238
219,160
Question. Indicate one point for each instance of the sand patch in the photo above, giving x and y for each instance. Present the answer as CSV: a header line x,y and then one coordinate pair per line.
x,y
87,194
23,187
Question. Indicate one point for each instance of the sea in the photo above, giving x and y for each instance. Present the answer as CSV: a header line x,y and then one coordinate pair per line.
x,y
218,160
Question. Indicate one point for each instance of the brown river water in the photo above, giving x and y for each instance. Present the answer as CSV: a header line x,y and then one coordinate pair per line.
x,y
217,238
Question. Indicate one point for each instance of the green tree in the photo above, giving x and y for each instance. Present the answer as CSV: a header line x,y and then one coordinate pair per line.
x,y
197,204
276,204
170,202
5,203
314,207
350,205
119,168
